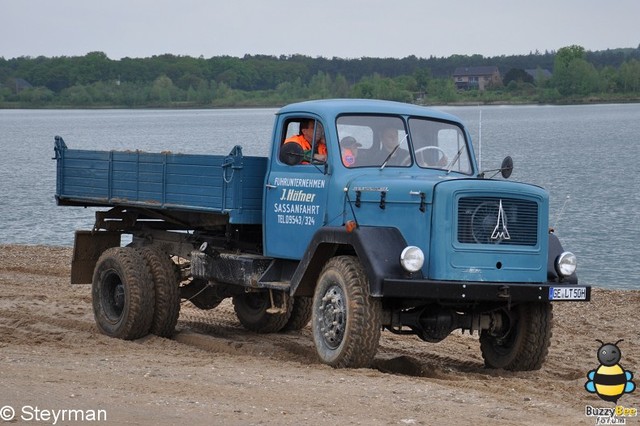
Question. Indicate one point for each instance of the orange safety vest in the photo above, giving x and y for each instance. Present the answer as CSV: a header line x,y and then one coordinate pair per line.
x,y
348,159
300,140
306,146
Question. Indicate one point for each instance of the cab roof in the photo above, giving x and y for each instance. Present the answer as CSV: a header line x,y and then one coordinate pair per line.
x,y
334,107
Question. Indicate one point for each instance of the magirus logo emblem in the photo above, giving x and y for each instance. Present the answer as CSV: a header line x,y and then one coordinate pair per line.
x,y
500,232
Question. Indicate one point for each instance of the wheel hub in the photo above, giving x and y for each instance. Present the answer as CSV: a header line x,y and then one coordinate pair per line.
x,y
118,298
333,317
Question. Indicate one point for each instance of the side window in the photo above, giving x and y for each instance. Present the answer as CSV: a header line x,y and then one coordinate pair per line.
x,y
304,142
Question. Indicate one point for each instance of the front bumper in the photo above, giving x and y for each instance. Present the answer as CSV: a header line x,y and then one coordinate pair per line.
x,y
470,292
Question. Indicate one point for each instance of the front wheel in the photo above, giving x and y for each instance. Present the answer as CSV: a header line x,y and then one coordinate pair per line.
x,y
524,344
345,319
123,294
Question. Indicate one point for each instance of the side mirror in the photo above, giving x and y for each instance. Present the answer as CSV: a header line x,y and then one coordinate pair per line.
x,y
506,168
291,154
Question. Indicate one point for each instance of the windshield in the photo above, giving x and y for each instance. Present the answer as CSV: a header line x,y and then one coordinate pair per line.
x,y
384,141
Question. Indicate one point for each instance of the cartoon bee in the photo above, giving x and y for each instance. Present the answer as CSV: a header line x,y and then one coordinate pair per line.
x,y
610,380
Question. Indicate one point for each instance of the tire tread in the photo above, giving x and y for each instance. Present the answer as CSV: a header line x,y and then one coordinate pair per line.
x,y
362,334
134,273
167,292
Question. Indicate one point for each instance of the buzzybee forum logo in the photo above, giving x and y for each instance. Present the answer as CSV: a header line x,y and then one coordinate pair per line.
x,y
609,381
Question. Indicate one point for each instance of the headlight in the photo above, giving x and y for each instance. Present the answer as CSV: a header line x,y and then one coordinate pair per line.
x,y
412,258
566,264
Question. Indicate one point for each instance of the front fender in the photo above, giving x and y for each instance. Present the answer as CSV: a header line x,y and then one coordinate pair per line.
x,y
377,248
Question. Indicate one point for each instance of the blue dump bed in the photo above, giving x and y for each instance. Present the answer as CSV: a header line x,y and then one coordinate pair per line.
x,y
230,185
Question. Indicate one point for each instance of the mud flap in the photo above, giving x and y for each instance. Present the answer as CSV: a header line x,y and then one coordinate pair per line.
x,y
87,248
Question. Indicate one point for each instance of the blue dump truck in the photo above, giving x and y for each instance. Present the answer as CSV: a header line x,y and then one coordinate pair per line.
x,y
394,228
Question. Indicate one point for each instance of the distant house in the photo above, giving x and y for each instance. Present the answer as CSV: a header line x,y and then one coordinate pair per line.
x,y
479,78
17,85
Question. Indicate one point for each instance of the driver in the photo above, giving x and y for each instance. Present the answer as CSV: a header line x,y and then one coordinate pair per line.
x,y
305,138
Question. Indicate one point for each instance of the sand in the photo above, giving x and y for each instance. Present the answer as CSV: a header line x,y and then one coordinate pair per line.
x,y
54,364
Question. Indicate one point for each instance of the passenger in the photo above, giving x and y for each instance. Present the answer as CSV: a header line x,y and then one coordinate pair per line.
x,y
389,142
349,147
305,138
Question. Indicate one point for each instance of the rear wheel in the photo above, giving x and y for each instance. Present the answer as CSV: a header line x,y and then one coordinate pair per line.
x,y
256,311
123,295
525,343
345,319
167,292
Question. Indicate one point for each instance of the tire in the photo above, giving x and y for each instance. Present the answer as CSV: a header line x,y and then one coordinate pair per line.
x,y
525,346
300,314
123,295
167,292
252,311
345,319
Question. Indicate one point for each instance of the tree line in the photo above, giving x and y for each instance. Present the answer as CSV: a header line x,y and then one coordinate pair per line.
x,y
94,80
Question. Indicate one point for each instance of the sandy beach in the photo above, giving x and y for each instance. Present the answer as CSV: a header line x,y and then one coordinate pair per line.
x,y
55,364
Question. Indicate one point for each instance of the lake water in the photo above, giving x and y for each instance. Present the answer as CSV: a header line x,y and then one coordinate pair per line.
x,y
586,156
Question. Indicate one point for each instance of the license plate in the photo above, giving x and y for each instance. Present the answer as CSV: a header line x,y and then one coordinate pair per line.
x,y
567,293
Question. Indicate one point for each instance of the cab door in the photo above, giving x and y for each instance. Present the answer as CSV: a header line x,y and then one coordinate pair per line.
x,y
295,201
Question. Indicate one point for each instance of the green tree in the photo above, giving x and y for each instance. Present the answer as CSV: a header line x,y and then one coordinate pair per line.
x,y
91,68
5,94
77,95
517,75
320,86
36,96
340,87
162,90
378,87
291,90
566,55
423,77
204,93
568,65
442,90
583,78
607,79
629,76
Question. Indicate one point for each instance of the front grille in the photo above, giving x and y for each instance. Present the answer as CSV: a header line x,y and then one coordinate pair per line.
x,y
481,220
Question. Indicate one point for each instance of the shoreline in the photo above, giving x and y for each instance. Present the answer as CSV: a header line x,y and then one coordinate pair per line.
x,y
593,100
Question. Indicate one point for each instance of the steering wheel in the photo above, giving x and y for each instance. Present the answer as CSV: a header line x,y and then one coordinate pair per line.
x,y
441,162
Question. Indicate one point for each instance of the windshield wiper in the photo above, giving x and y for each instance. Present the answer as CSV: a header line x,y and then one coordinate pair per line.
x,y
455,160
393,151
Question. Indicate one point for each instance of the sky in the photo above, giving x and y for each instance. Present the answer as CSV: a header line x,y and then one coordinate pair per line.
x,y
326,28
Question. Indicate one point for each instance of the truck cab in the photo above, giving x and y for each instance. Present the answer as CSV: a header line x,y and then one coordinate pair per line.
x,y
402,194
408,170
